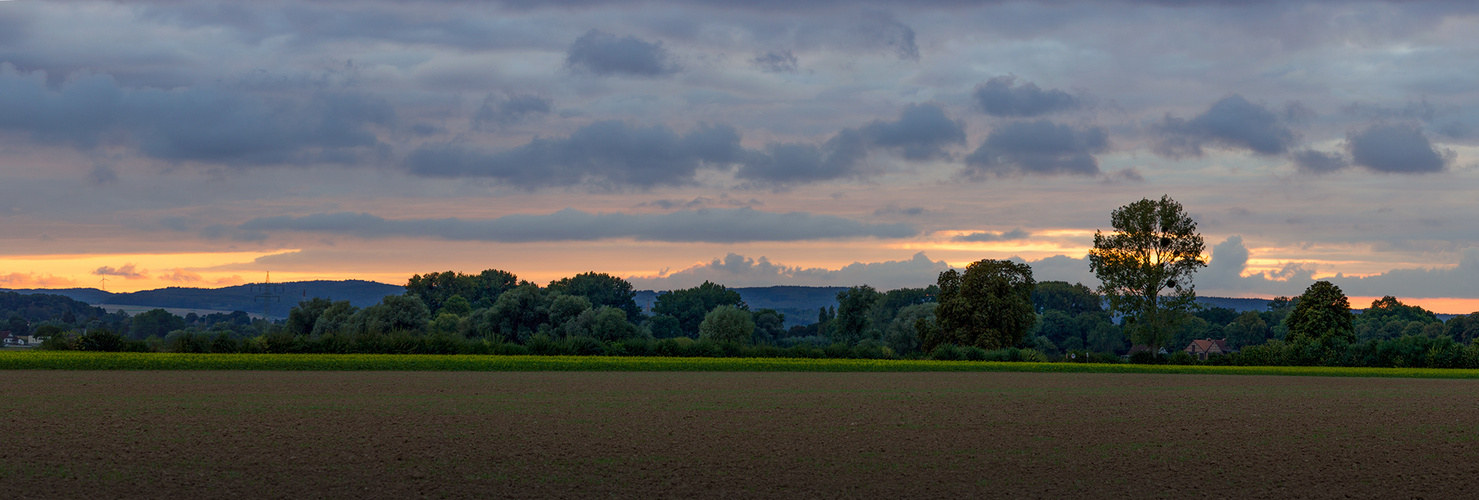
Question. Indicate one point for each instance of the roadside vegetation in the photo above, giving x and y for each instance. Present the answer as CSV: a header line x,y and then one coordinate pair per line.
x,y
992,311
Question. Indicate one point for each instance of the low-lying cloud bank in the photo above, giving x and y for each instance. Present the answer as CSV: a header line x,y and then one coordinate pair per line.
x,y
703,225
736,270
1224,276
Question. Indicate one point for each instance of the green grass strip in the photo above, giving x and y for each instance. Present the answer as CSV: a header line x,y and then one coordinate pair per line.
x,y
54,360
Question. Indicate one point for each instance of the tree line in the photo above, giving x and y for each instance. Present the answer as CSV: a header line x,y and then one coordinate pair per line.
x,y
992,309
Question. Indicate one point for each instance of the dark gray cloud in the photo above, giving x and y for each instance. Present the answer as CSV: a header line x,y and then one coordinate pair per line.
x,y
1001,96
701,202
895,210
607,54
14,26
511,109
1398,148
922,132
1231,123
884,30
705,225
206,124
1319,162
776,61
838,158
102,175
605,153
987,236
1038,148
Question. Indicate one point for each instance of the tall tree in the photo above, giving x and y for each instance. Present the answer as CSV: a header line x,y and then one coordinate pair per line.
x,y
480,290
302,317
1322,314
154,322
602,290
853,306
690,305
1155,247
988,306
727,324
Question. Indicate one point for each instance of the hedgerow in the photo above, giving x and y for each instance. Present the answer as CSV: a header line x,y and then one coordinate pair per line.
x,y
73,360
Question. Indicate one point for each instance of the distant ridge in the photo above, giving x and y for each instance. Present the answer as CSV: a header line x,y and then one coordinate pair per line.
x,y
360,293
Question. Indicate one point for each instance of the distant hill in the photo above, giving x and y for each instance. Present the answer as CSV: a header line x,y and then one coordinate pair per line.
x,y
234,298
1239,305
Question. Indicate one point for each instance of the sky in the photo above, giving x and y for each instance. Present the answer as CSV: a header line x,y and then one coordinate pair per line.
x,y
207,143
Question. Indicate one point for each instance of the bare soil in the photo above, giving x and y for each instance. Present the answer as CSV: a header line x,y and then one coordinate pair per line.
x,y
737,435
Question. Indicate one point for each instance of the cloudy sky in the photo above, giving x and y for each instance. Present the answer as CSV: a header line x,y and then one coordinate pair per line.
x,y
179,143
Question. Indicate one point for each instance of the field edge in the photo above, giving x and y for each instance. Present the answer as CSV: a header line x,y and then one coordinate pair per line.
x,y
57,360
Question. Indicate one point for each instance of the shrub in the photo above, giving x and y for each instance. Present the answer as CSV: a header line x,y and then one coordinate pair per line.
x,y
1181,358
1147,358
871,349
705,349
103,340
1031,356
508,349
805,351
946,352
1007,355
973,353
837,350
766,351
638,347
585,346
279,342
541,344
185,341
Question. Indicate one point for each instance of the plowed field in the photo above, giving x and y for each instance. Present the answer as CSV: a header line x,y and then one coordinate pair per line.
x,y
738,435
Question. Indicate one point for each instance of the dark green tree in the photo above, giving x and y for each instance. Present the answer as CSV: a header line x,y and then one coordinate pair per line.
x,y
302,317
988,306
853,306
727,324
1154,247
770,325
155,322
480,290
602,290
902,335
393,313
334,318
690,305
1388,308
1463,329
1323,314
517,314
1248,329
1073,299
663,326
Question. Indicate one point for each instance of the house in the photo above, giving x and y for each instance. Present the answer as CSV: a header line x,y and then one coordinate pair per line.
x,y
10,340
1207,347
